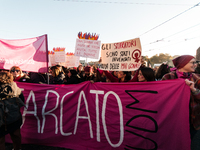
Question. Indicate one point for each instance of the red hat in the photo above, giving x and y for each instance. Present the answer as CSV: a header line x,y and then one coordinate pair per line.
x,y
181,61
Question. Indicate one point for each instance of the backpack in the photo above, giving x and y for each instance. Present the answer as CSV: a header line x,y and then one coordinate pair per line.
x,y
10,110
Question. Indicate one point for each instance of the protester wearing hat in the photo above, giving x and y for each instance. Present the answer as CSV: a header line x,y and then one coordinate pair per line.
x,y
184,68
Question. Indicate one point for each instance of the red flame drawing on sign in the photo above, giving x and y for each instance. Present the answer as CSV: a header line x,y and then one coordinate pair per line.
x,y
88,36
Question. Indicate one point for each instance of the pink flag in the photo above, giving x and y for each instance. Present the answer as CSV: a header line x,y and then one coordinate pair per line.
x,y
105,116
29,54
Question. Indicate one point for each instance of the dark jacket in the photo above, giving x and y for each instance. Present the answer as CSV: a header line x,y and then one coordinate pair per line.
x,y
37,77
58,80
74,79
10,89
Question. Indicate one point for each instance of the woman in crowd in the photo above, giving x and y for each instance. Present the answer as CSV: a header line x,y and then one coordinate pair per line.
x,y
146,74
161,71
143,74
57,75
8,88
18,75
185,66
73,77
89,75
80,72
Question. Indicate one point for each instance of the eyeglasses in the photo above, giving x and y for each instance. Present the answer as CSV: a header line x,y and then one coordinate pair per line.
x,y
194,62
15,70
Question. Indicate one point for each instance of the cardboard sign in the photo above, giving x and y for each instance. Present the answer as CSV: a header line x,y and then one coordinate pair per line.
x,y
52,60
121,56
87,48
71,61
60,56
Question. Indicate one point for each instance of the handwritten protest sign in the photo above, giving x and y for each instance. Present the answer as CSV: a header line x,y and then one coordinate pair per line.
x,y
71,61
123,56
59,55
87,48
51,59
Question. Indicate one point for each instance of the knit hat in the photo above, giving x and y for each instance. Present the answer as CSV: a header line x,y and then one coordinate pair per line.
x,y
181,61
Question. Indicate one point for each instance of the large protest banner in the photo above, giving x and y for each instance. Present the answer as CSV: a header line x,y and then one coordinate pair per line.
x,y
148,115
29,54
121,56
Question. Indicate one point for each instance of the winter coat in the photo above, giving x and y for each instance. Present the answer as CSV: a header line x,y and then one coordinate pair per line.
x,y
10,89
58,80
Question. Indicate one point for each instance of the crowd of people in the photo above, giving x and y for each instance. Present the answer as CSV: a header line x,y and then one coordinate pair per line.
x,y
63,75
185,67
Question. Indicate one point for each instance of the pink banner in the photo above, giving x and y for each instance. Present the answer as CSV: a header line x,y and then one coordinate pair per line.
x,y
148,115
29,54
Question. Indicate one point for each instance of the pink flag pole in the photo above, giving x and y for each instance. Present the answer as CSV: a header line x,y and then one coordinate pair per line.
x,y
47,59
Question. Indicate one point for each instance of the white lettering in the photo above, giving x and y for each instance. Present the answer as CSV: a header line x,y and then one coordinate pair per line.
x,y
97,111
31,94
83,117
49,112
61,115
121,119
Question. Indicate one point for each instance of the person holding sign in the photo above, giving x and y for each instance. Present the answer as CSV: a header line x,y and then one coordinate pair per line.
x,y
184,68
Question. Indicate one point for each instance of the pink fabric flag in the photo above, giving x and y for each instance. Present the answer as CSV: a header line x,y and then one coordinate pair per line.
x,y
29,54
148,115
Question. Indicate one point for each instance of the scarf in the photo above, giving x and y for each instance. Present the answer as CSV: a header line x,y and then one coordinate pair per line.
x,y
184,75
